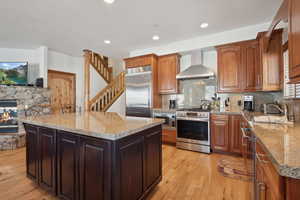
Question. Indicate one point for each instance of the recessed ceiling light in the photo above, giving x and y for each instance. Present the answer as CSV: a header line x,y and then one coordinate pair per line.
x,y
107,41
155,37
109,1
204,25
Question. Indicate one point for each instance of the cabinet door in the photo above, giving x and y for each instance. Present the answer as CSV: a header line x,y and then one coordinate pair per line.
x,y
32,157
95,169
47,149
153,158
169,136
229,69
252,67
294,40
131,168
67,165
168,67
272,62
220,135
235,134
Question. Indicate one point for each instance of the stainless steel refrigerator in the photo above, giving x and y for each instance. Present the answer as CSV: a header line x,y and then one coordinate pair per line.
x,y
139,91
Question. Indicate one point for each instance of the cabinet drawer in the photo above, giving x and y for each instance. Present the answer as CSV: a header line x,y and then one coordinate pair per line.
x,y
220,117
169,136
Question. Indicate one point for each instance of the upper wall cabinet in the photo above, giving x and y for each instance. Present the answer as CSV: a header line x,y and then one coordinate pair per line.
x,y
230,68
239,67
294,40
246,66
271,60
168,67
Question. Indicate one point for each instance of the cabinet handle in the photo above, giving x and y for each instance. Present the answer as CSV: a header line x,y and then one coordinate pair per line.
x,y
260,160
261,191
244,136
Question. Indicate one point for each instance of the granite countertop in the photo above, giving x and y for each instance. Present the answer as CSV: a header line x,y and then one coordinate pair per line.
x,y
111,126
281,142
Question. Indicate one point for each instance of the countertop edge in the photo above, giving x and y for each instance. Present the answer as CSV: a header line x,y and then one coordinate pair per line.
x,y
107,136
283,170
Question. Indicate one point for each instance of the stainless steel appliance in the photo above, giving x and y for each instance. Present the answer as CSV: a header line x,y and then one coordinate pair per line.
x,y
249,103
193,130
139,91
168,116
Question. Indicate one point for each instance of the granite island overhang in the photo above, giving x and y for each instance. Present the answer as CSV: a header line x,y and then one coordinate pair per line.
x,y
94,155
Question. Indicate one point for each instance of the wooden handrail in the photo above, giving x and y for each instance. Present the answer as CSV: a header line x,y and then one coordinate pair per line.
x,y
107,96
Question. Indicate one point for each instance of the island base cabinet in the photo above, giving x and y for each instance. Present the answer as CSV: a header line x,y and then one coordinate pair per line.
x,y
67,166
139,163
76,167
41,156
95,169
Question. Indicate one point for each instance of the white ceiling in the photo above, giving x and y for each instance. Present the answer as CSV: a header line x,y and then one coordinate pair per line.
x,y
69,26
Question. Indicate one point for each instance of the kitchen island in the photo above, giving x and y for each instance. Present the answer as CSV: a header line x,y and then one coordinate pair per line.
x,y
94,155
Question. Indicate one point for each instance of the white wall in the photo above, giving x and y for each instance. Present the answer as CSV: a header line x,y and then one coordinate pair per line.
x,y
245,33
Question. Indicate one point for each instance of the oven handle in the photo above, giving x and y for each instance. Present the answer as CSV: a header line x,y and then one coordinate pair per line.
x,y
191,119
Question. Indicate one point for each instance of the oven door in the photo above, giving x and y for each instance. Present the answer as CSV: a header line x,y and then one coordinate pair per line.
x,y
193,130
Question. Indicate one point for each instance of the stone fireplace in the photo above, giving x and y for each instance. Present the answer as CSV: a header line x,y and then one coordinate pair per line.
x,y
17,100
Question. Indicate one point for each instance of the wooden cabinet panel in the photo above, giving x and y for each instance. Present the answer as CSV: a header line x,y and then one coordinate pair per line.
x,y
169,136
220,135
32,157
131,169
294,40
168,67
153,158
67,166
273,183
235,134
271,61
95,169
229,69
47,144
252,67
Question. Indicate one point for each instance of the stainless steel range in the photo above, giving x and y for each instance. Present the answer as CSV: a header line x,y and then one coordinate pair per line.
x,y
193,130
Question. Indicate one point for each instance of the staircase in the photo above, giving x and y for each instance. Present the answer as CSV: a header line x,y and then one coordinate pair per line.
x,y
102,101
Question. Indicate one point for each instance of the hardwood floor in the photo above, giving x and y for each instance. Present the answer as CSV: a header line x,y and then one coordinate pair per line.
x,y
186,176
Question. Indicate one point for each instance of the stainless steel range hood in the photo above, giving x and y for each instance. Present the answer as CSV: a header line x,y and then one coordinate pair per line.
x,y
196,70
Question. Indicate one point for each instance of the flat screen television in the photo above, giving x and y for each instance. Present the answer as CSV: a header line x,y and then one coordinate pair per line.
x,y
13,73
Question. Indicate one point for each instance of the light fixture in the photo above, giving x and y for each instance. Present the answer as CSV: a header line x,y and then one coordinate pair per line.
x,y
155,37
204,25
109,1
107,41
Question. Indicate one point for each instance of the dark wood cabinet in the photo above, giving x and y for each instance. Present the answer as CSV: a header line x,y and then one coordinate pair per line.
x,y
230,68
294,40
220,133
168,67
47,161
32,157
67,165
131,168
153,159
235,134
95,169
75,167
